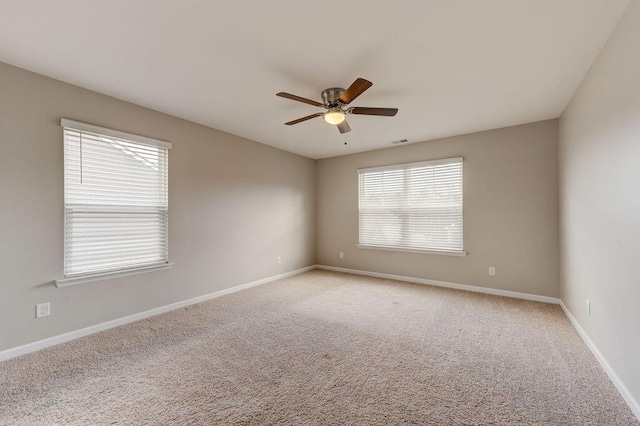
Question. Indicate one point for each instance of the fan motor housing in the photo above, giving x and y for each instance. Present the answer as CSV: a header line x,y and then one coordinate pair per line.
x,y
331,96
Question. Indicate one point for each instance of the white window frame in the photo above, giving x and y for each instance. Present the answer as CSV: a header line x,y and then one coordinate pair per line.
x,y
408,166
125,271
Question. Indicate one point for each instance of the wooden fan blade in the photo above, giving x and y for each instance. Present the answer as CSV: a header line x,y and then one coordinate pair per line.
x,y
344,127
387,112
356,89
308,117
299,99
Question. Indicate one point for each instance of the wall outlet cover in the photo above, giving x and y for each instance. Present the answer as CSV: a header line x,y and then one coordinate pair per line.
x,y
43,310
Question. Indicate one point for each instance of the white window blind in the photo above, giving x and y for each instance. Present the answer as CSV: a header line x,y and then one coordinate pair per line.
x,y
416,206
115,199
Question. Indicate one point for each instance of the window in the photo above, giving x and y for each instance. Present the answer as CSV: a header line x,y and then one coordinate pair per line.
x,y
115,201
416,206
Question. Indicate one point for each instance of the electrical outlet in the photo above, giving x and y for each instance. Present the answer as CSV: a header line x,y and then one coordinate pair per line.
x,y
588,307
492,271
341,255
279,260
43,310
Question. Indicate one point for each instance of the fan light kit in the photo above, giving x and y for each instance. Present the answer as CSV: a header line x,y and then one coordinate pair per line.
x,y
335,116
334,100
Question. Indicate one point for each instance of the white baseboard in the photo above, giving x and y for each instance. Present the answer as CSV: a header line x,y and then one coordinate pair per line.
x,y
56,340
476,289
631,402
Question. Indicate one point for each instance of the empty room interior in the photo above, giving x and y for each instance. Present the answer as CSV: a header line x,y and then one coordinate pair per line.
x,y
320,213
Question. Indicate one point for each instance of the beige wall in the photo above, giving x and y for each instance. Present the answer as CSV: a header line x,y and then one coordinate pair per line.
x,y
510,210
235,205
600,201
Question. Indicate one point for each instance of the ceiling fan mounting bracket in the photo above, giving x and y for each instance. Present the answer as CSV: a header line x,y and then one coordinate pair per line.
x,y
331,96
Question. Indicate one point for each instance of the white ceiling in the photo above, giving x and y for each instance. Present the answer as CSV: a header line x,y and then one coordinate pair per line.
x,y
450,66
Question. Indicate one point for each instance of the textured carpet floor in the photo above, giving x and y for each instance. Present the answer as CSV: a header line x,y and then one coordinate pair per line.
x,y
323,348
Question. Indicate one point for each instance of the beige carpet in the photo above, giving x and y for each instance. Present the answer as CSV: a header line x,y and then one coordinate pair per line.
x,y
323,348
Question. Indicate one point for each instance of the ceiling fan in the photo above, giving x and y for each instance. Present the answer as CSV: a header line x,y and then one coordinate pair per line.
x,y
334,100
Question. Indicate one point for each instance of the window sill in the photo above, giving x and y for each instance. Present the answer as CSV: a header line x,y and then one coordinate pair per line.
x,y
410,250
65,282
